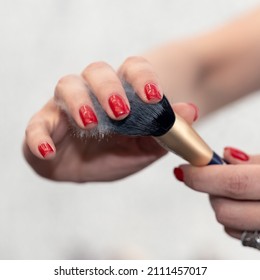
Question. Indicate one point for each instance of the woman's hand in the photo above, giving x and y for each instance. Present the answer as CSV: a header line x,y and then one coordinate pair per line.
x,y
53,151
234,189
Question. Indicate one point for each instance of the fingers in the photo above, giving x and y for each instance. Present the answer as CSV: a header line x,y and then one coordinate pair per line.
x,y
187,111
233,232
233,181
38,136
236,216
236,156
71,94
138,72
234,189
106,85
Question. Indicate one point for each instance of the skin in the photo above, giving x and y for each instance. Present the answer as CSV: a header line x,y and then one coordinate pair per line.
x,y
220,67
80,160
233,189
214,69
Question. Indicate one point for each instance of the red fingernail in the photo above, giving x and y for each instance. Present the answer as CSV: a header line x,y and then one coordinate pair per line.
x,y
152,91
235,153
118,105
178,174
196,109
87,115
45,149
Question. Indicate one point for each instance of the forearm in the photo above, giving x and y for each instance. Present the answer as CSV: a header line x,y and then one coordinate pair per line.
x,y
213,69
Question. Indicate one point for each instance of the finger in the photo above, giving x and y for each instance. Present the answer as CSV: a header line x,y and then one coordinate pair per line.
x,y
38,132
236,214
72,95
233,181
138,72
108,89
187,111
233,232
236,156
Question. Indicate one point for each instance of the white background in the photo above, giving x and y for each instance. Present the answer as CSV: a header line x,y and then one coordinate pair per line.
x,y
149,215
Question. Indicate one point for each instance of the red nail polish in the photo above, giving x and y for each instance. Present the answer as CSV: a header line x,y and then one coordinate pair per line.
x,y
178,174
235,153
87,115
152,91
196,109
118,105
45,149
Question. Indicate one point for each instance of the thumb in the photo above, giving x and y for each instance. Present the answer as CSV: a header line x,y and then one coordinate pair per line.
x,y
188,111
236,156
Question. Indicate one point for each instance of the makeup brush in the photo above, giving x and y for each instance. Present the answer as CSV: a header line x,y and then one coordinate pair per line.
x,y
157,120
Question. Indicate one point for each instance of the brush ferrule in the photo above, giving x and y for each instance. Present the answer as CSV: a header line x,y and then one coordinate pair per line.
x,y
184,141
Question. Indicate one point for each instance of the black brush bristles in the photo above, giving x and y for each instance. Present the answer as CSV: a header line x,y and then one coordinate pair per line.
x,y
144,119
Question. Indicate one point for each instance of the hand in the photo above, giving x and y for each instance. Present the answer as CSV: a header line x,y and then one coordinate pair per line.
x,y
54,153
234,189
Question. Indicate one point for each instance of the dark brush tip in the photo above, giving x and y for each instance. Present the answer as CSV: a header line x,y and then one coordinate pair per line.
x,y
144,119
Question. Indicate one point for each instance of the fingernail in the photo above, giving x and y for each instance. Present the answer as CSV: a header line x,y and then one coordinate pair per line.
x,y
235,153
118,105
87,115
178,174
152,91
45,149
196,109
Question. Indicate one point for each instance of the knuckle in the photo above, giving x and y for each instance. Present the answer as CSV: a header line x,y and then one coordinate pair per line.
x,y
93,67
62,83
220,217
237,184
30,129
133,59
27,131
227,230
221,212
36,126
130,63
192,180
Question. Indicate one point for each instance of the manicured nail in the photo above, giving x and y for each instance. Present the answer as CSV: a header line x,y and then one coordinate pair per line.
x,y
196,109
235,153
178,174
152,91
87,115
45,149
118,105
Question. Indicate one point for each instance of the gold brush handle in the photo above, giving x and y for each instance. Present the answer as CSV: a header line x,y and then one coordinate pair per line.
x,y
184,141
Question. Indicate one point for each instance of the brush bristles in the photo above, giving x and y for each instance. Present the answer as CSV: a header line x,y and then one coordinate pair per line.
x,y
144,119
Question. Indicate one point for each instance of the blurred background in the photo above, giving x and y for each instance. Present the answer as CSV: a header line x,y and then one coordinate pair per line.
x,y
146,216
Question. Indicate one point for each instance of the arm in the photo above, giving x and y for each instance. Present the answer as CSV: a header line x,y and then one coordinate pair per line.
x,y
213,69
228,67
193,70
